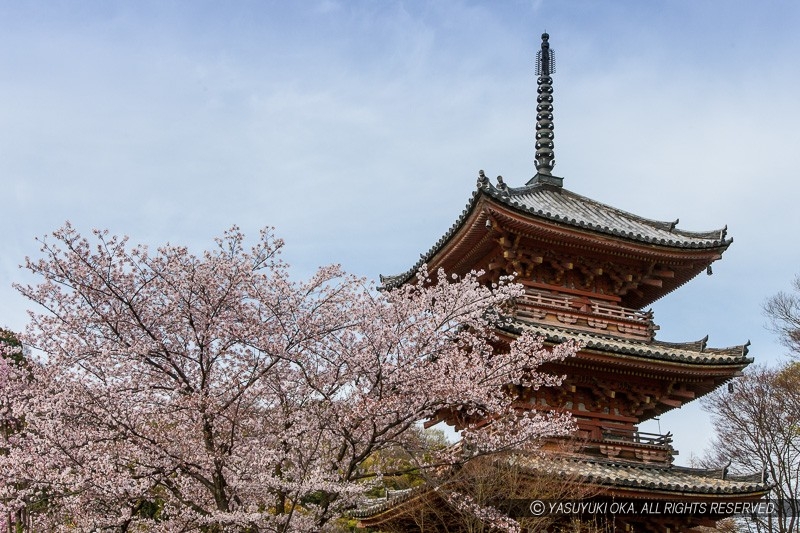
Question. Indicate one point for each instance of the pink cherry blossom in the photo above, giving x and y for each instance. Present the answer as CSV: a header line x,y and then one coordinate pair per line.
x,y
174,392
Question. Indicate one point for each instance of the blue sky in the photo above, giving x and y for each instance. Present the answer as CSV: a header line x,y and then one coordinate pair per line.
x,y
358,129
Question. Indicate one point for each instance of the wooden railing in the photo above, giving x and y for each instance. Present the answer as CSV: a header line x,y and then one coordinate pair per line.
x,y
586,313
638,437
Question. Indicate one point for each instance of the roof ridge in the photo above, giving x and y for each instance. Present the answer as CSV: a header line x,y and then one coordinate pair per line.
x,y
713,473
719,233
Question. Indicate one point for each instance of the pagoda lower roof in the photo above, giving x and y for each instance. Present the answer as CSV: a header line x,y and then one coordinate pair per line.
x,y
393,498
667,480
660,478
553,204
614,477
682,352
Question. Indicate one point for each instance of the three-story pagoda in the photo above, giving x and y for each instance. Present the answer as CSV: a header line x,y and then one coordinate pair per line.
x,y
590,271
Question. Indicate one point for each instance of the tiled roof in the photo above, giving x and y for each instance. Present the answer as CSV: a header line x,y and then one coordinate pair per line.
x,y
687,352
395,497
561,205
652,477
556,204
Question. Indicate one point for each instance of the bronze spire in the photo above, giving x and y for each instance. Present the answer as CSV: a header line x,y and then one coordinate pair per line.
x,y
545,66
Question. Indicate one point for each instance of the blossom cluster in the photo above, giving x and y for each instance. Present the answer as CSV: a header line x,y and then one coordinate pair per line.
x,y
170,391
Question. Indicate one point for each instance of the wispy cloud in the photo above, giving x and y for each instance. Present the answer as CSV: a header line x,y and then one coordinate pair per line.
x,y
358,128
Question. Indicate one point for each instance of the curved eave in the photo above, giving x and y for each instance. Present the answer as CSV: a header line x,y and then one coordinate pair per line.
x,y
691,355
399,279
669,481
713,242
614,477
390,504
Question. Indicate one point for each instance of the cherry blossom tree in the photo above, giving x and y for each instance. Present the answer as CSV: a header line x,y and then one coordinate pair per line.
x,y
168,391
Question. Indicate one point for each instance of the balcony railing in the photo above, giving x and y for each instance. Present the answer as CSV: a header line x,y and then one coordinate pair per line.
x,y
586,313
637,437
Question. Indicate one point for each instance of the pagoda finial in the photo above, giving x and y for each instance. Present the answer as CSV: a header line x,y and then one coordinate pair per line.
x,y
545,66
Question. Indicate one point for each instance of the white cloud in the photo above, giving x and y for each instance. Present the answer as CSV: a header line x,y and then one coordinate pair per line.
x,y
358,129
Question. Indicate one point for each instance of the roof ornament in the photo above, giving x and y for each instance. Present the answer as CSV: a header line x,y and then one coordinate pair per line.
x,y
502,185
483,181
545,66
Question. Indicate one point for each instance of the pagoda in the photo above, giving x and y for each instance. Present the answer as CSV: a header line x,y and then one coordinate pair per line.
x,y
589,271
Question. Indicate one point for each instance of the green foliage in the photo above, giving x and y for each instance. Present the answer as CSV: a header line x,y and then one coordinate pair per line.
x,y
402,467
9,338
